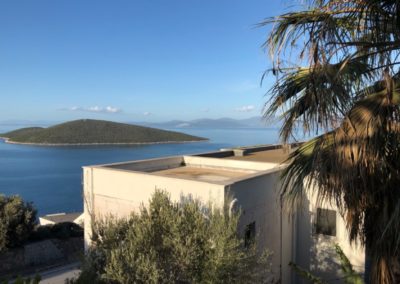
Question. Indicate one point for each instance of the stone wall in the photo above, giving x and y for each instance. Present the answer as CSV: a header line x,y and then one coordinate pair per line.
x,y
37,256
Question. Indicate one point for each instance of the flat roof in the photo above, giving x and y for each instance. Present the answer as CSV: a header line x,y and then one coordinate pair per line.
x,y
62,217
221,167
204,173
269,156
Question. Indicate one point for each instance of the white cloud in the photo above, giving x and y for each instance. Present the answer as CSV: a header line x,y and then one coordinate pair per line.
x,y
94,109
107,109
111,109
147,113
247,108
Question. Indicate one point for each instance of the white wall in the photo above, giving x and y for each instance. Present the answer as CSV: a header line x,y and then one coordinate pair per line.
x,y
259,200
113,190
242,165
43,221
148,165
316,252
118,193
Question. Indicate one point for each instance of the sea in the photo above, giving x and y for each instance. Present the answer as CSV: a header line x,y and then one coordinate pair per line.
x,y
51,177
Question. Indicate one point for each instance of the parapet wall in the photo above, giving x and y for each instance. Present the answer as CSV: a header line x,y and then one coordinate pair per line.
x,y
150,165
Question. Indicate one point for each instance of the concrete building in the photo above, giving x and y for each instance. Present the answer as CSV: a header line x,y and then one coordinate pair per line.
x,y
51,219
247,178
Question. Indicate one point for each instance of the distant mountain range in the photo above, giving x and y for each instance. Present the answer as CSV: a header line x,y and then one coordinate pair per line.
x,y
27,123
253,122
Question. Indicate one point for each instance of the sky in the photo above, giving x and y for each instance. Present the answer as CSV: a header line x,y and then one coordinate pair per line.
x,y
133,60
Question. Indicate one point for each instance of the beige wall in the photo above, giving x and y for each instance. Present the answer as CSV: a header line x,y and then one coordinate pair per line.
x,y
148,165
119,189
118,193
316,252
259,201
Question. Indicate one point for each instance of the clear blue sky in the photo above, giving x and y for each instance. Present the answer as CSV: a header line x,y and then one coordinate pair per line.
x,y
132,60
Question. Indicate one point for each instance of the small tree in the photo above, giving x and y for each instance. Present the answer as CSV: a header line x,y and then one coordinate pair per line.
x,y
172,243
17,220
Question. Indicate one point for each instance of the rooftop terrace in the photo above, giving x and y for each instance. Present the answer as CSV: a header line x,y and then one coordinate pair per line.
x,y
270,156
276,154
224,166
204,174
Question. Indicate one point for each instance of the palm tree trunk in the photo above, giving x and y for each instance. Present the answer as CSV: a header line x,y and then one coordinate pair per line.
x,y
367,266
380,259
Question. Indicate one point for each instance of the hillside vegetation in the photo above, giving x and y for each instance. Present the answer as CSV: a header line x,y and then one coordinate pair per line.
x,y
88,131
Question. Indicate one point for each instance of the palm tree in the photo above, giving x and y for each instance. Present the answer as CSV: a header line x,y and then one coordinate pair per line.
x,y
345,84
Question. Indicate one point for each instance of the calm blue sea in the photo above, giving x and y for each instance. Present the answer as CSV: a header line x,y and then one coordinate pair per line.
x,y
51,177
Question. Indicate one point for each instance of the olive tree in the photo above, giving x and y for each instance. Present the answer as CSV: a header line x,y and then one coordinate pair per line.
x,y
169,242
17,220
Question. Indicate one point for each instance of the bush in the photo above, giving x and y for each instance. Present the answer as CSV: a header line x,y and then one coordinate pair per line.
x,y
23,280
172,243
66,230
41,233
17,220
57,231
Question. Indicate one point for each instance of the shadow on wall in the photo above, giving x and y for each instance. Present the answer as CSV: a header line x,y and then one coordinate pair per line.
x,y
303,238
315,252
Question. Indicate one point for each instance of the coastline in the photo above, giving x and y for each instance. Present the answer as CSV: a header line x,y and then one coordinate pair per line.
x,y
8,141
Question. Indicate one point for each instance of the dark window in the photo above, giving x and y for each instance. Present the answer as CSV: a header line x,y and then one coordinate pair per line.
x,y
250,234
326,222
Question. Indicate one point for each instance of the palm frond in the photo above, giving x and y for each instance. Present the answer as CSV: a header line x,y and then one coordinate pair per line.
x,y
306,274
344,82
350,276
317,96
357,166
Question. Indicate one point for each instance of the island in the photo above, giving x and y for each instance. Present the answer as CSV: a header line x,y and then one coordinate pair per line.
x,y
95,132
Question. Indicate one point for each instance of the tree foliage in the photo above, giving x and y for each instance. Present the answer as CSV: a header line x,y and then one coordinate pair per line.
x,y
172,243
23,280
345,83
63,230
17,221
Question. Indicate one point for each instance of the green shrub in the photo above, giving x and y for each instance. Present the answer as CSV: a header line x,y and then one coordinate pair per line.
x,y
58,231
17,220
66,230
41,233
22,280
350,276
172,243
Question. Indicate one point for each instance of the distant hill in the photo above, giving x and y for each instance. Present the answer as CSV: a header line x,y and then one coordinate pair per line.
x,y
253,122
88,131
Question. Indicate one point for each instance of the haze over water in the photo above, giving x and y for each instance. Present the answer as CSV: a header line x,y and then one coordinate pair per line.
x,y
51,177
